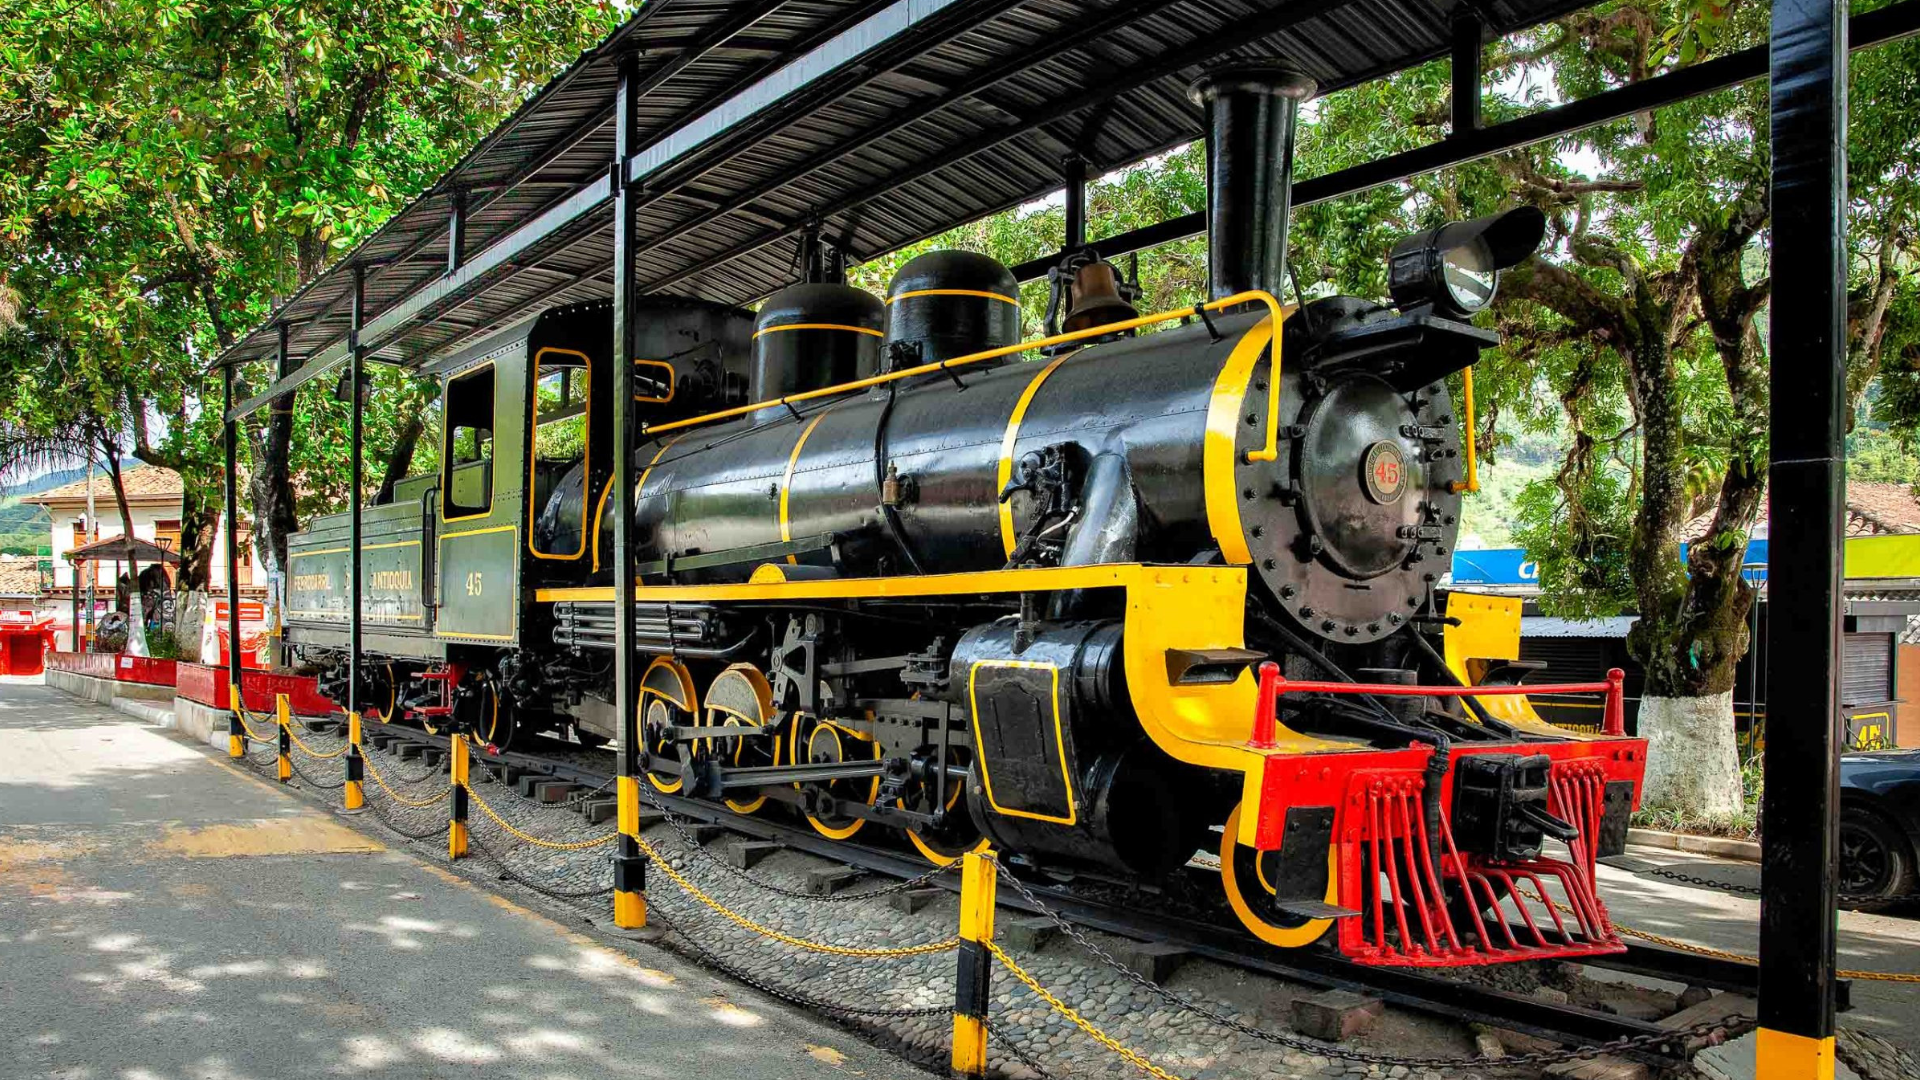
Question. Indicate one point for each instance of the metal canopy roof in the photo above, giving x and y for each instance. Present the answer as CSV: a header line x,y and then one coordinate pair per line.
x,y
882,121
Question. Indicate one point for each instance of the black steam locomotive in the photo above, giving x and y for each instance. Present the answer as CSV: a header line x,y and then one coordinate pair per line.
x,y
903,571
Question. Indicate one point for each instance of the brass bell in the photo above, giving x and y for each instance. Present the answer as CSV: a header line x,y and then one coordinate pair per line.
x,y
1096,298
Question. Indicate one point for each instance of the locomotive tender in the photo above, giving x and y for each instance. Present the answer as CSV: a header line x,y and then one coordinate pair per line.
x,y
896,578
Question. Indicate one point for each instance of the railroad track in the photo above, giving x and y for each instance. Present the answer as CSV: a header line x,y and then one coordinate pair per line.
x,y
1406,988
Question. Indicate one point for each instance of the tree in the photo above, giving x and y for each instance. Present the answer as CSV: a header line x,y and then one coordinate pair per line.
x,y
174,168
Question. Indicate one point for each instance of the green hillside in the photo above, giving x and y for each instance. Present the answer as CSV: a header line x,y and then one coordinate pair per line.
x,y
24,527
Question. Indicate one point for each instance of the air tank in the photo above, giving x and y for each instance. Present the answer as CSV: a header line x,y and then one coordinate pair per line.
x,y
950,303
814,335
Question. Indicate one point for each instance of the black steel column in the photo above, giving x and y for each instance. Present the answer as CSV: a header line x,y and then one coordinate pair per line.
x,y
629,868
229,442
457,231
283,366
1800,812
356,455
1074,171
1467,69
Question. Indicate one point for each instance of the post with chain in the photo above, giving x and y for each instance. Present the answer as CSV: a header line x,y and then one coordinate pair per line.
x,y
457,797
283,717
979,888
629,867
356,792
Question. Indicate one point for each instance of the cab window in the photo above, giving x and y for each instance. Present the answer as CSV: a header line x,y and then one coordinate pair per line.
x,y
562,401
466,482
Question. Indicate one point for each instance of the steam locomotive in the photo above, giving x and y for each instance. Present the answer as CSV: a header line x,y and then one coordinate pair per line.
x,y
897,578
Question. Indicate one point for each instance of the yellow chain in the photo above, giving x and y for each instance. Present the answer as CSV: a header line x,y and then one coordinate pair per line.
x,y
310,751
397,797
695,891
242,713
576,845
1740,958
1137,1059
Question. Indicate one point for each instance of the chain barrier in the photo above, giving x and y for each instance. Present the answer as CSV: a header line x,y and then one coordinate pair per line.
x,y
660,863
573,802
310,751
403,800
1003,1040
244,715
1711,1032
433,831
711,959
554,845
507,871
691,843
294,763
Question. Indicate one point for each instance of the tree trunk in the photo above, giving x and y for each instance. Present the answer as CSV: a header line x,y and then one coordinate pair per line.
x,y
1693,767
136,618
412,425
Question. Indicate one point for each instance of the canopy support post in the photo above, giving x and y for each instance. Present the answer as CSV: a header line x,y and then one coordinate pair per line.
x,y
1799,809
1468,65
230,448
356,455
1074,171
629,903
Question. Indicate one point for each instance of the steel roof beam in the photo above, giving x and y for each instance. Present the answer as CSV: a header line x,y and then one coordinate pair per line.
x,y
1873,28
1112,20
1207,48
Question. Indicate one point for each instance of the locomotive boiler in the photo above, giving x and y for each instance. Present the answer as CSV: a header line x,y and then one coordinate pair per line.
x,y
902,571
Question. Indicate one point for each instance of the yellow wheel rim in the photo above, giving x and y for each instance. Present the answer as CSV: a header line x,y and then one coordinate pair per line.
x,y
727,715
839,832
1285,937
671,683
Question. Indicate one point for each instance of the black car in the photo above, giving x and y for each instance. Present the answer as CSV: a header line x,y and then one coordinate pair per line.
x,y
1879,826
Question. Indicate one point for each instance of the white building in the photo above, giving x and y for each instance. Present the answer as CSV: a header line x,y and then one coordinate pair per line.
x,y
153,502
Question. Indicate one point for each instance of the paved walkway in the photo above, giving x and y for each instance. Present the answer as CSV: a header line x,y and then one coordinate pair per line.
x,y
165,917
1888,942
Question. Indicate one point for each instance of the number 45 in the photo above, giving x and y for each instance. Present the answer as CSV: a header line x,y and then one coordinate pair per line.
x,y
474,584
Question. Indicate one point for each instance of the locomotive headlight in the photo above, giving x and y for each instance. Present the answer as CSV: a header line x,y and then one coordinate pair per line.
x,y
1454,270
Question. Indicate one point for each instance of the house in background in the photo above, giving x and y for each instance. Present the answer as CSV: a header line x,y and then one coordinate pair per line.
x,y
153,502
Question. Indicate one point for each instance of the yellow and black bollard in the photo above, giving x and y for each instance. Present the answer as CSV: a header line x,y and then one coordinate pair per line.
x,y
283,716
457,794
236,730
356,792
979,886
629,866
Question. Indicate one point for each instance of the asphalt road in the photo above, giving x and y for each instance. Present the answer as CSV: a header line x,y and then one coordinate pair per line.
x,y
164,917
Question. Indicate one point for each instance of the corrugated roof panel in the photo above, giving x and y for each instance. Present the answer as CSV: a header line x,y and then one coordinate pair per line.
x,y
887,141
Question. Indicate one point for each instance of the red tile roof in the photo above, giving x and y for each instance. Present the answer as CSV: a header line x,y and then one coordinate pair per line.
x,y
1873,509
19,576
141,481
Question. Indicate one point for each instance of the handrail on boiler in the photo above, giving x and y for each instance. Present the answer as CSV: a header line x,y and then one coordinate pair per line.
x,y
1268,453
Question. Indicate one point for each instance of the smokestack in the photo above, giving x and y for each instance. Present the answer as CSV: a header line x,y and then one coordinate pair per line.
x,y
1250,120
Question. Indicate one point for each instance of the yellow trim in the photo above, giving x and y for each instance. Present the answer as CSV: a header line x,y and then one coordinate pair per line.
x,y
1473,465
1218,455
1291,937
343,614
627,797
1059,741
323,551
639,489
1270,451
477,532
462,635
629,910
1780,1055
982,293
1007,442
586,444
1274,310
786,481
673,384
927,852
447,464
816,326
763,699
1037,579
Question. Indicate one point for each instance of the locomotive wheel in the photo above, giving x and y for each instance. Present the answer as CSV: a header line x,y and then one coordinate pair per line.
x,y
1244,876
958,837
741,697
666,700
823,741
392,686
497,726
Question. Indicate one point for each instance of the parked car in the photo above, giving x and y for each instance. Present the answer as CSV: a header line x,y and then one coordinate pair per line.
x,y
1880,826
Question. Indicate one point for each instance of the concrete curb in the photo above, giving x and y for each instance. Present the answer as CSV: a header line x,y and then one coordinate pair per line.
x,y
1725,847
